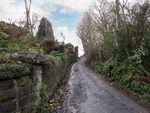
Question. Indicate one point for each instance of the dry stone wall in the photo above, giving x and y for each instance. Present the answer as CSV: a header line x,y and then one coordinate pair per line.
x,y
20,84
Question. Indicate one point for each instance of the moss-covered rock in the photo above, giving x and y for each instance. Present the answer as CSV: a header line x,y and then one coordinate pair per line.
x,y
24,80
24,100
14,70
26,108
35,95
8,95
35,104
8,107
24,90
33,58
5,84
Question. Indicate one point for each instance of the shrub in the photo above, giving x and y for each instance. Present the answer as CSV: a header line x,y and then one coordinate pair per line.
x,y
70,49
12,31
56,47
76,49
48,45
69,45
72,58
62,48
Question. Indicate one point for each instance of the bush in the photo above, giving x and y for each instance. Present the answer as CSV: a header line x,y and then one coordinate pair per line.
x,y
72,58
69,45
70,49
12,31
61,48
76,49
56,47
48,45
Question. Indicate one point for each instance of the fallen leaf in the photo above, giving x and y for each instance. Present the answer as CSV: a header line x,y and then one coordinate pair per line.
x,y
44,109
52,100
111,83
19,62
51,104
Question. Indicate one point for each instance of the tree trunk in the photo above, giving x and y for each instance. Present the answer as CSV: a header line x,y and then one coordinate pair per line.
x,y
27,23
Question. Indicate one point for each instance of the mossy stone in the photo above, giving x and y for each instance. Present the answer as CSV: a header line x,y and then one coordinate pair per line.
x,y
8,107
24,90
29,57
8,95
24,80
14,70
6,83
24,100
35,96
34,103
26,108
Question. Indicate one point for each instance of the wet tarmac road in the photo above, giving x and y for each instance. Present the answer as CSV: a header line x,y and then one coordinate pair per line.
x,y
88,93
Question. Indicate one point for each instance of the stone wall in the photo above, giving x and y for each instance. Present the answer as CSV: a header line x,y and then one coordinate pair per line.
x,y
20,84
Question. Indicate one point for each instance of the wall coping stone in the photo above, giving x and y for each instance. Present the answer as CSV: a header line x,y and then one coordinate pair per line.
x,y
32,58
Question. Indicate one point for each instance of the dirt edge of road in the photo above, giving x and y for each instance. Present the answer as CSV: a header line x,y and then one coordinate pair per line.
x,y
61,92
135,98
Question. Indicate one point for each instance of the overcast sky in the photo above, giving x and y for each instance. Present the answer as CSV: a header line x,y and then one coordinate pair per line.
x,y
63,14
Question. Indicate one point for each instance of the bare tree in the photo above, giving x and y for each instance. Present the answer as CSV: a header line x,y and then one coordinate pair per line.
x,y
62,36
87,32
33,22
27,7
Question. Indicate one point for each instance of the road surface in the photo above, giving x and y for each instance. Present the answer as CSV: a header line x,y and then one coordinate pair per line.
x,y
88,93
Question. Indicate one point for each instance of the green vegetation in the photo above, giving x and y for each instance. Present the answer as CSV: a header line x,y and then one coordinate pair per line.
x,y
14,69
56,67
48,45
69,45
119,49
14,39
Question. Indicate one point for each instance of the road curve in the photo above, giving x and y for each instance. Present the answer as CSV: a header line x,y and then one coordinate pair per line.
x,y
88,93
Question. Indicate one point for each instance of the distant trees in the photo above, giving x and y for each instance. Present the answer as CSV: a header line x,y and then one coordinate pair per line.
x,y
45,29
85,30
69,45
116,40
114,27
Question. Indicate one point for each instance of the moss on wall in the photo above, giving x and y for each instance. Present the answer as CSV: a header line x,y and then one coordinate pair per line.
x,y
14,70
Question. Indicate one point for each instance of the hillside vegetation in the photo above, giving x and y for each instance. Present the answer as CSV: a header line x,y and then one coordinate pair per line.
x,y
116,40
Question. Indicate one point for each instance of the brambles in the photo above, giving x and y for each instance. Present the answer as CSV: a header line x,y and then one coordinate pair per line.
x,y
48,45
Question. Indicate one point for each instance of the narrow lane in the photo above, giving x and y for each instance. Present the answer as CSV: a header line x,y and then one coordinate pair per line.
x,y
88,93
